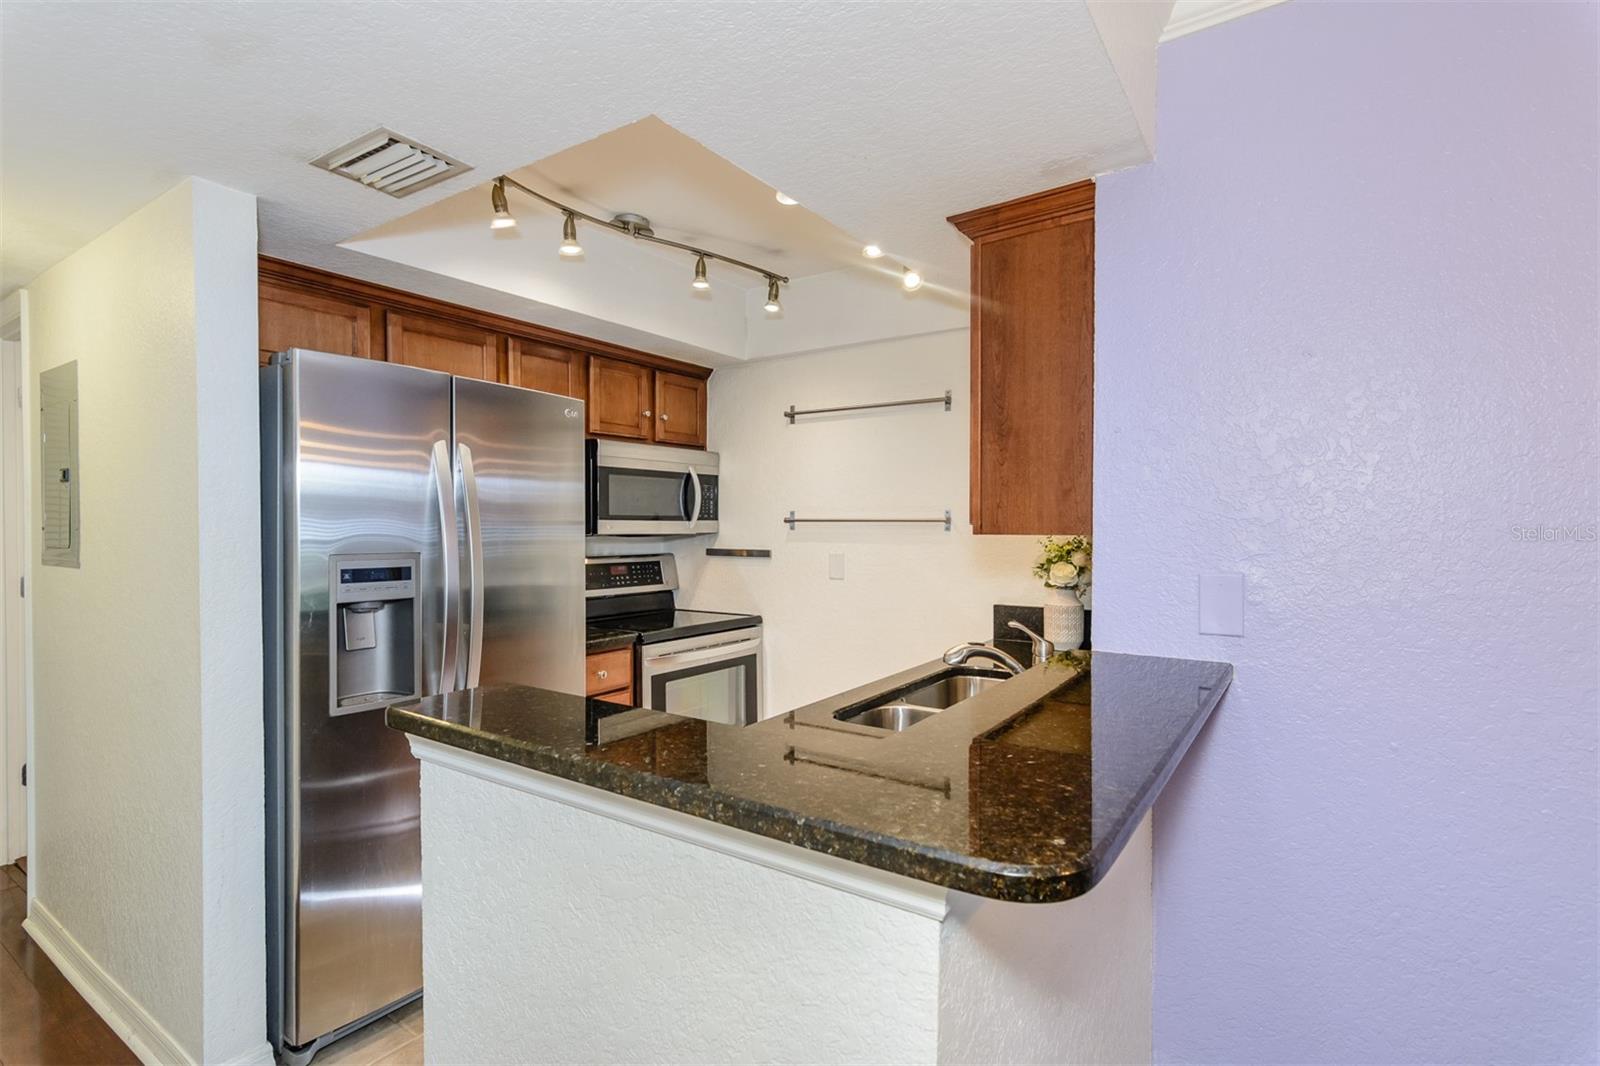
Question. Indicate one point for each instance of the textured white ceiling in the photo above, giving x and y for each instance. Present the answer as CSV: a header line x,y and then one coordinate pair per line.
x,y
880,118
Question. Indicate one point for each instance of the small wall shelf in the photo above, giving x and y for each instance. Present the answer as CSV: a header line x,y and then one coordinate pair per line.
x,y
740,553
791,520
791,414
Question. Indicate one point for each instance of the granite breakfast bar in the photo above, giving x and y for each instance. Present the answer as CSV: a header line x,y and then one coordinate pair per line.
x,y
607,883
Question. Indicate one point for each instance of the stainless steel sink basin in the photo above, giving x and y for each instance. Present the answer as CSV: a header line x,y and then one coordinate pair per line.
x,y
900,711
894,717
949,691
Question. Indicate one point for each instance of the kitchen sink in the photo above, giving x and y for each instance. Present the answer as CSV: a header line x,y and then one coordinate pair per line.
x,y
949,691
893,716
901,710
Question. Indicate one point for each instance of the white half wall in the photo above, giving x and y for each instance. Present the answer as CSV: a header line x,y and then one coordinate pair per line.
x,y
147,670
909,591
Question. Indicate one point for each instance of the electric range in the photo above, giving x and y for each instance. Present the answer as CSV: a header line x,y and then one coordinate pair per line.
x,y
701,664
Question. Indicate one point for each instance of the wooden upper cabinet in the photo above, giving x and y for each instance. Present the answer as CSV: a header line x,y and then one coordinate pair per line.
x,y
1033,362
438,344
546,367
294,318
680,409
620,399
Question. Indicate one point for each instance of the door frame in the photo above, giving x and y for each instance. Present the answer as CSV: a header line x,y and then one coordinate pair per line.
x,y
16,584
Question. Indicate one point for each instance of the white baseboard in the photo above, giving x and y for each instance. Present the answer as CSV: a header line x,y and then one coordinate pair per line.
x,y
135,1026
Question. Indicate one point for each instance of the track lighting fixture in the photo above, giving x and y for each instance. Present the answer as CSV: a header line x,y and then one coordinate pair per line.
x,y
628,225
502,211
872,251
910,279
569,236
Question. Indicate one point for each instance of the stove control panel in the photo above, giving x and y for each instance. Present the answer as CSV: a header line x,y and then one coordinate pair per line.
x,y
624,574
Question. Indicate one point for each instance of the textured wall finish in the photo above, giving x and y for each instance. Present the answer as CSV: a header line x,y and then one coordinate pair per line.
x,y
553,934
147,699
1346,345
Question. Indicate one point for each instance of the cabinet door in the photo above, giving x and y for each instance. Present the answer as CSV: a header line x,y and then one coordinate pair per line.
x,y
680,409
435,344
1033,362
545,367
619,399
293,318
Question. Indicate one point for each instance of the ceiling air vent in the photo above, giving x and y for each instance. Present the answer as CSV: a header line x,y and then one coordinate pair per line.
x,y
391,163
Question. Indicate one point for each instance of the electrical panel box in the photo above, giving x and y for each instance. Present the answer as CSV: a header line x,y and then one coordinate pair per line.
x,y
58,466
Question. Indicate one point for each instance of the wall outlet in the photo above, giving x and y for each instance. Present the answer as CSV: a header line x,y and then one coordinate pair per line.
x,y
836,566
1222,604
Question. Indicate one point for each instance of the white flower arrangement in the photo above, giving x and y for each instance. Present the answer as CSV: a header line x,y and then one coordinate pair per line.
x,y
1066,564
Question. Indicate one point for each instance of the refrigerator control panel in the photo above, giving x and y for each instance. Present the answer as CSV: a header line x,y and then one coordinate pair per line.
x,y
382,582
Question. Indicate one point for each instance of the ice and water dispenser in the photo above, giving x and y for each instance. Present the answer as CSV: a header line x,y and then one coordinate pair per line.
x,y
377,647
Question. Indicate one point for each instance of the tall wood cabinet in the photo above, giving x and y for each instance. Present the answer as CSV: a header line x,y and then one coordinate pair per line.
x,y
630,394
1033,362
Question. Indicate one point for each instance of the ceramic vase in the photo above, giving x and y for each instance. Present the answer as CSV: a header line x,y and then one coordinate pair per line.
x,y
1063,619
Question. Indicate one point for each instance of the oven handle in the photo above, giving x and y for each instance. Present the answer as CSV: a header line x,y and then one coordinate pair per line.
x,y
700,655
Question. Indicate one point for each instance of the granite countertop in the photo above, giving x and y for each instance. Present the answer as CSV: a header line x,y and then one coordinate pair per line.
x,y
1026,792
595,639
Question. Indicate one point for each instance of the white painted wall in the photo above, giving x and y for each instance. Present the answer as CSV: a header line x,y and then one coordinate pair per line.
x,y
1055,982
909,591
567,924
148,777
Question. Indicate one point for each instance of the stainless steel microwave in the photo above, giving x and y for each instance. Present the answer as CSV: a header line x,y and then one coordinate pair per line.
x,y
651,490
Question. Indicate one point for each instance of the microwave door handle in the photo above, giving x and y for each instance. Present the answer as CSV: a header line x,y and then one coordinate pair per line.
x,y
694,515
718,651
474,518
449,548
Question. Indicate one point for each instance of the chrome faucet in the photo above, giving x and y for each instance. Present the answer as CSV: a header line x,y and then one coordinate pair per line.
x,y
1042,648
958,656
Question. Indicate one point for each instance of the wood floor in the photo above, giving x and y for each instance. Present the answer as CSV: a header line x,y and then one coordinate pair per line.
x,y
43,1020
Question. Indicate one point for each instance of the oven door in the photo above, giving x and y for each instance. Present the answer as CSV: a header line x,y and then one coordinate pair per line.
x,y
716,677
642,496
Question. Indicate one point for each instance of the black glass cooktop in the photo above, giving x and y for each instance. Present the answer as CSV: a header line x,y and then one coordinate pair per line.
x,y
654,627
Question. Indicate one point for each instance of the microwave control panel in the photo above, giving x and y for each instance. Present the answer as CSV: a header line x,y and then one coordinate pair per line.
x,y
708,498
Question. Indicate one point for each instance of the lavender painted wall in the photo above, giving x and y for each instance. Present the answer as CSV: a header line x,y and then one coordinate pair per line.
x,y
1346,343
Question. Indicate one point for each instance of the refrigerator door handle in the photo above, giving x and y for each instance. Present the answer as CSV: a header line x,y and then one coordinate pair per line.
x,y
475,587
443,486
694,515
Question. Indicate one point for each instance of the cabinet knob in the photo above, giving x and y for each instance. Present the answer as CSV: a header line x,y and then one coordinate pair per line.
x,y
600,674
663,418
647,414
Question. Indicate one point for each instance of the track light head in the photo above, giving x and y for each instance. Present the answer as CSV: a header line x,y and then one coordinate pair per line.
x,y
502,211
910,279
700,280
772,306
569,236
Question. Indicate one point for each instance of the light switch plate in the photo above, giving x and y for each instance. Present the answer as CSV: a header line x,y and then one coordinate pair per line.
x,y
836,566
1222,604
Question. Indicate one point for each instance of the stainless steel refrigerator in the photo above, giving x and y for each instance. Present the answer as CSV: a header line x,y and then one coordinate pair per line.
x,y
421,533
